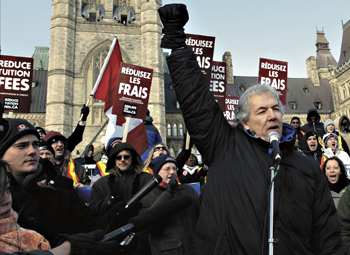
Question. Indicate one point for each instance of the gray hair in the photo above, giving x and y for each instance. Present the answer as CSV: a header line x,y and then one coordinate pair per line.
x,y
243,110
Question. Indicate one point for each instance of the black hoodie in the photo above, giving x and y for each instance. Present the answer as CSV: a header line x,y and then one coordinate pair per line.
x,y
316,126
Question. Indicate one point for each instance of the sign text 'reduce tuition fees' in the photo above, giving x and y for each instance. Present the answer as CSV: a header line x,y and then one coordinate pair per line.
x,y
16,75
133,91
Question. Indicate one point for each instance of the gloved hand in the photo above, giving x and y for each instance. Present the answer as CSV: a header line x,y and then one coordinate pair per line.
x,y
122,215
89,243
174,17
172,185
85,112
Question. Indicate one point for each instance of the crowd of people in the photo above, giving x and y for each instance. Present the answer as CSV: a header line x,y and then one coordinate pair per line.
x,y
41,211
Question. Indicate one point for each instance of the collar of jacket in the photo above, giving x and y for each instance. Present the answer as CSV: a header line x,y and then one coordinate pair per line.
x,y
30,180
286,143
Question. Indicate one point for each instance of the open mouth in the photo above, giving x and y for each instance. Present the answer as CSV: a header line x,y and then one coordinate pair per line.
x,y
6,213
273,128
313,146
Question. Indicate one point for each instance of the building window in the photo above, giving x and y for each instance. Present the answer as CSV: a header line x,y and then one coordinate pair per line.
x,y
172,151
96,67
175,130
241,87
318,105
177,105
181,129
169,129
306,89
92,16
293,105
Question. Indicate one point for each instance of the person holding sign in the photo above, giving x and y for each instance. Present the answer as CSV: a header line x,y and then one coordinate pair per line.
x,y
234,211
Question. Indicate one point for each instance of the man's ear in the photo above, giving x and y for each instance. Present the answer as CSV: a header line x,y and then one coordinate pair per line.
x,y
245,124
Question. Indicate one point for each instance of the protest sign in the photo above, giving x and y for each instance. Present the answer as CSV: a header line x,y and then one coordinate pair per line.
x,y
133,91
231,103
218,83
203,48
16,75
274,73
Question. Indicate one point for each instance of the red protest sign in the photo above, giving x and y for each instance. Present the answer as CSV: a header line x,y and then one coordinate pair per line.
x,y
231,103
274,73
133,90
218,82
16,75
203,48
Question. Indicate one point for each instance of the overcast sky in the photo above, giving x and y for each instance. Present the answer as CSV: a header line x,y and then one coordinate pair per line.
x,y
273,29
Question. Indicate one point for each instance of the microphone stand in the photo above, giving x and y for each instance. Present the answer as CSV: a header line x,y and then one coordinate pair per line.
x,y
271,240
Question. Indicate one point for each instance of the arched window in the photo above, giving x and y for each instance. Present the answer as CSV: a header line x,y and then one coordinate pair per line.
x,y
181,129
169,129
175,130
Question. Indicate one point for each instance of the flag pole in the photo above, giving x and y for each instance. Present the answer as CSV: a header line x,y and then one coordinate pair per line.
x,y
101,73
188,138
126,129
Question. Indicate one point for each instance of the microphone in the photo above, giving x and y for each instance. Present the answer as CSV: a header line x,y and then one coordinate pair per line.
x,y
274,139
145,189
151,217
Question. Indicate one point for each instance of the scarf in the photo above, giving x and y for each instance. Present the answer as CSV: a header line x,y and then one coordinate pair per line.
x,y
190,169
13,238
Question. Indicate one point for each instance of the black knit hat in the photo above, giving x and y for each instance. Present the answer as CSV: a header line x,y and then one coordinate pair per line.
x,y
310,133
12,130
43,145
40,129
159,161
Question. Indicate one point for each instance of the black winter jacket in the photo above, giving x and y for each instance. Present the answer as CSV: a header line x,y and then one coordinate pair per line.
x,y
235,204
316,126
51,211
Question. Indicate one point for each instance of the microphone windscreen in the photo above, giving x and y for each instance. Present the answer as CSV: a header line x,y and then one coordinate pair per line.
x,y
273,136
159,212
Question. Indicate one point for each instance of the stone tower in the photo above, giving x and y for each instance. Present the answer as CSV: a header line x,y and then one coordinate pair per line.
x,y
319,67
81,34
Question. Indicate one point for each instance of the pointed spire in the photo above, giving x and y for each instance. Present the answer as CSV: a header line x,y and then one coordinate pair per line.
x,y
324,56
345,47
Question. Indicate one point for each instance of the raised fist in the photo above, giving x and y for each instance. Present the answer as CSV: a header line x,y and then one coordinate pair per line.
x,y
173,16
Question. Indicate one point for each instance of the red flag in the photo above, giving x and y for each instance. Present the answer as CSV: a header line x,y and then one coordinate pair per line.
x,y
105,89
106,83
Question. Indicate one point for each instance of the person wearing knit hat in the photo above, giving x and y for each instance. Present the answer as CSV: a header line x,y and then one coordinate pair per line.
x,y
179,226
331,148
42,132
64,163
50,211
313,150
165,166
46,151
329,127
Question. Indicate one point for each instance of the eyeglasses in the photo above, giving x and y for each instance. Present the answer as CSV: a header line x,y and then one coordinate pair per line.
x,y
158,148
295,122
54,141
126,157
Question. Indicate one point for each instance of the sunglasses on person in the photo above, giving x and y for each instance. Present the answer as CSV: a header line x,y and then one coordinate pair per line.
x,y
295,122
126,157
158,148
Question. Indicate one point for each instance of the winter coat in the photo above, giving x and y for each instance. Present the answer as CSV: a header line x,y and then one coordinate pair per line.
x,y
316,156
118,186
114,188
343,210
153,136
235,204
51,211
316,126
174,235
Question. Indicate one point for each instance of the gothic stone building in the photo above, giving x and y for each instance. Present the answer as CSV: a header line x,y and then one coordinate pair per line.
x,y
81,34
